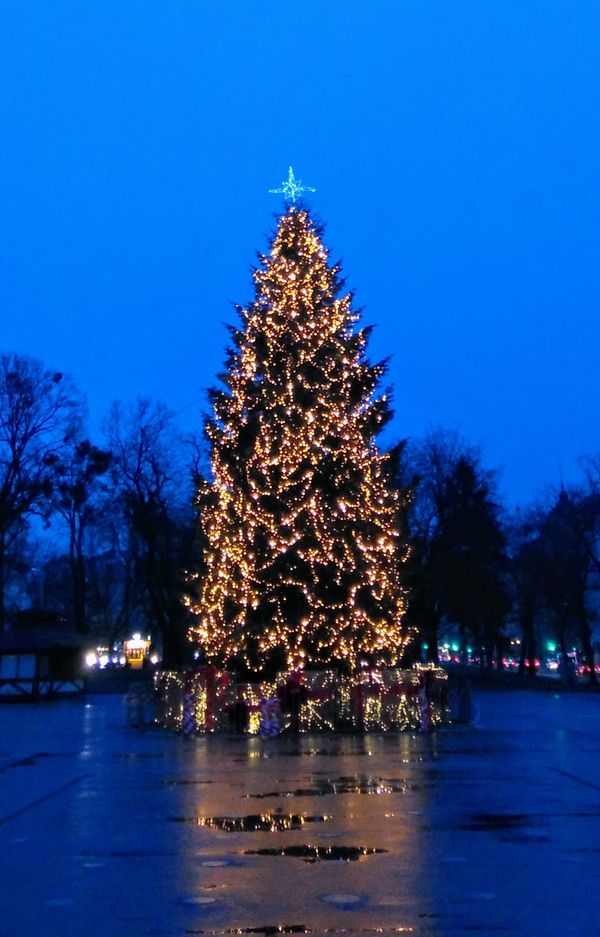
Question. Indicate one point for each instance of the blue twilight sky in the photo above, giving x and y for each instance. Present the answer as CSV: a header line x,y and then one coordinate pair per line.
x,y
455,147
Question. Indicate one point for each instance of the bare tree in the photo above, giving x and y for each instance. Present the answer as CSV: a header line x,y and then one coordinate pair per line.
x,y
153,481
74,498
39,413
115,594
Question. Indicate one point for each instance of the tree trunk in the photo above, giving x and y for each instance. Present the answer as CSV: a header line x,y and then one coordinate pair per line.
x,y
77,564
431,637
588,649
79,595
159,609
527,639
566,660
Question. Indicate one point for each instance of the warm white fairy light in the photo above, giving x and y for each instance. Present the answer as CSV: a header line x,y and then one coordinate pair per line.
x,y
388,701
301,523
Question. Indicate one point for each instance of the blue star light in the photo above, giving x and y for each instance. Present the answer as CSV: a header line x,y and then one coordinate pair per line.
x,y
292,188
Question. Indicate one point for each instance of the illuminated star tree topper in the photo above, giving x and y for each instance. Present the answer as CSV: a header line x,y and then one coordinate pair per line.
x,y
292,188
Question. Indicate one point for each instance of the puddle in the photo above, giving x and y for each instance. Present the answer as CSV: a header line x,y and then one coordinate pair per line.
x,y
255,822
319,853
30,760
489,822
487,929
127,854
23,762
344,902
307,753
526,838
185,781
289,753
362,748
137,756
345,785
269,930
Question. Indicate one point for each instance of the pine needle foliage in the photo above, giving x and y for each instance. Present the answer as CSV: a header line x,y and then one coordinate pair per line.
x,y
302,524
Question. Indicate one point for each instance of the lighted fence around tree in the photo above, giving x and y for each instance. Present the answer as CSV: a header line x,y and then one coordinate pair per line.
x,y
383,700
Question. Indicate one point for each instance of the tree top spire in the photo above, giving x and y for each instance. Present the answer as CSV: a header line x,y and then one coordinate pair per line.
x,y
291,188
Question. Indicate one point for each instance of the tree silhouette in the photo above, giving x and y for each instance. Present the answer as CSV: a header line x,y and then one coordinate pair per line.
x,y
39,414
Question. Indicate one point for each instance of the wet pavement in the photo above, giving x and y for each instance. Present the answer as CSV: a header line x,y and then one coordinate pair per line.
x,y
111,831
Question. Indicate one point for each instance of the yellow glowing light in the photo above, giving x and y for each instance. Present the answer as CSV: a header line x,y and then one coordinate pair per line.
x,y
300,522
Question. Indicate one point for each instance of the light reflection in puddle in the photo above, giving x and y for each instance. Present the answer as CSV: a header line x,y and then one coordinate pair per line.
x,y
345,785
270,930
255,822
345,902
318,853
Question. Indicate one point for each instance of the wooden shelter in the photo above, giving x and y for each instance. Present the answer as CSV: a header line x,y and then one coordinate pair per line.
x,y
40,664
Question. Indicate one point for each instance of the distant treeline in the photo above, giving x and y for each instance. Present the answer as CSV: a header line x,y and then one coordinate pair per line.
x,y
116,546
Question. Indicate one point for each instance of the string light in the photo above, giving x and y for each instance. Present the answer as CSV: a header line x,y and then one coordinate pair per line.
x,y
301,523
291,189
389,701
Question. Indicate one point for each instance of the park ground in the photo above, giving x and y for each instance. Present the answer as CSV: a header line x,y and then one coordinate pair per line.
x,y
109,830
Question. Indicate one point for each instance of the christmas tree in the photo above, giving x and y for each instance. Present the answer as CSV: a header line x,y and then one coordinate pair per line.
x,y
303,529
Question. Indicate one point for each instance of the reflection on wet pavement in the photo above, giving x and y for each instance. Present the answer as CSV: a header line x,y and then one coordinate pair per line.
x,y
357,752
127,854
255,822
485,829
345,785
270,930
30,760
497,821
318,853
177,782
